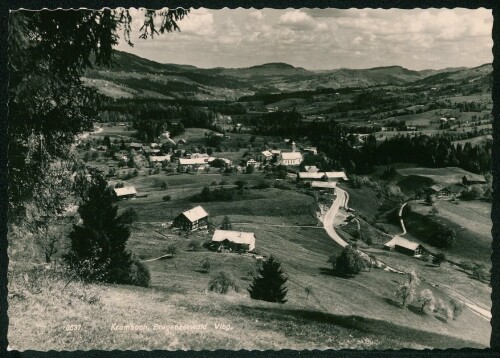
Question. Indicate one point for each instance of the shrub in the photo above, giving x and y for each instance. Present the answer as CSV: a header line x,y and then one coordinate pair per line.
x,y
438,259
405,292
166,198
205,265
457,308
349,262
426,300
193,245
222,283
139,274
171,249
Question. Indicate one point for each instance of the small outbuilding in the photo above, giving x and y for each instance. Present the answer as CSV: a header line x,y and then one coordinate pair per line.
x,y
194,219
237,241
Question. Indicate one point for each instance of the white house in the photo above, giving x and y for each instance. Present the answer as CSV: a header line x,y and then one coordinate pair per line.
x,y
234,240
291,158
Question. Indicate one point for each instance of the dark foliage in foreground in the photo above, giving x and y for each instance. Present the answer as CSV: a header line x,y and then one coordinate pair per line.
x,y
270,284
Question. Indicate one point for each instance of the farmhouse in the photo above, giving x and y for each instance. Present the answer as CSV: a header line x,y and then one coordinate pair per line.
x,y
310,176
266,155
182,141
276,152
404,246
194,219
335,176
125,193
238,241
159,158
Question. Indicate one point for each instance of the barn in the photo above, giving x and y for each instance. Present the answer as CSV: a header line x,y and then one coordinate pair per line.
x,y
125,193
404,246
194,219
237,241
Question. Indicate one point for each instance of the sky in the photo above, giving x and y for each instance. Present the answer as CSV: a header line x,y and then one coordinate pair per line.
x,y
322,39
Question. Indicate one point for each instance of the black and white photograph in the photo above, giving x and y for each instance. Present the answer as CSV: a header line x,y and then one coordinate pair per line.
x,y
257,179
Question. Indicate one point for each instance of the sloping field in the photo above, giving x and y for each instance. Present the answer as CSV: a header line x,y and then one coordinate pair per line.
x,y
446,176
471,222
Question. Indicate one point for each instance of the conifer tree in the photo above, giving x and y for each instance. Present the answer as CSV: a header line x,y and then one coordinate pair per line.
x,y
98,245
270,284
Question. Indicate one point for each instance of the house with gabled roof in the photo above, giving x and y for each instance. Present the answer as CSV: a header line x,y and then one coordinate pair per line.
x,y
237,241
193,219
404,246
125,192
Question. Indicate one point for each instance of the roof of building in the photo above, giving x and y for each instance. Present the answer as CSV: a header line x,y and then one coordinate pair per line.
x,y
133,144
267,153
336,175
311,168
291,155
323,184
276,151
402,242
193,161
200,155
309,175
159,158
437,187
128,190
195,214
238,237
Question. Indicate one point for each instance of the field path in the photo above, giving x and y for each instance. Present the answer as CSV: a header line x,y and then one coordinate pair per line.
x,y
400,214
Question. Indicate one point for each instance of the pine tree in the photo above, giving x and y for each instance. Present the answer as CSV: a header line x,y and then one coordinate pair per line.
x,y
98,246
270,284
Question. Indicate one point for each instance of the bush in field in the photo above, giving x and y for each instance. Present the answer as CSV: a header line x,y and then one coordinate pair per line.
x,y
222,283
479,271
205,265
457,308
439,258
308,291
405,293
426,300
349,262
171,249
193,245
226,223
166,198
139,274
444,310
269,285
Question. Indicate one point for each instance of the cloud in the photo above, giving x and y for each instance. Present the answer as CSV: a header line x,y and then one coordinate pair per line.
x,y
297,20
257,14
199,22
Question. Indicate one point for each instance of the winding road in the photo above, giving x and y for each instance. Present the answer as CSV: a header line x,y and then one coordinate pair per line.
x,y
342,200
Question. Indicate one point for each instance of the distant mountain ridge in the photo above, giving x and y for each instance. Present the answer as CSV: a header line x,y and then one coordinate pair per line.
x,y
132,75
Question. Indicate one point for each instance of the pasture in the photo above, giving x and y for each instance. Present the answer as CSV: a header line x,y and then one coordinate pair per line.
x,y
445,176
